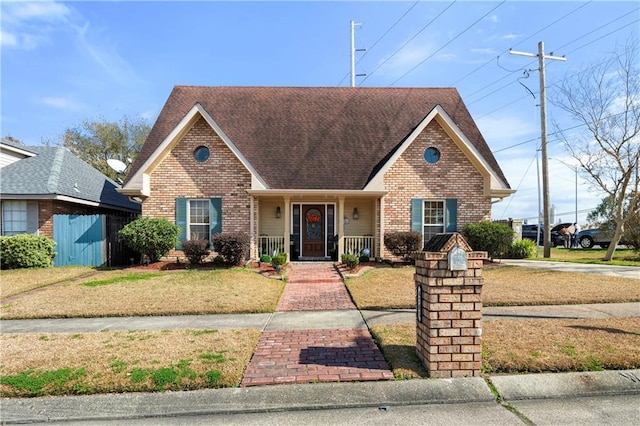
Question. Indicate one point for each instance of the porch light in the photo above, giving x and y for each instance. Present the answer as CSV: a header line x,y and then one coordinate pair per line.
x,y
278,214
355,214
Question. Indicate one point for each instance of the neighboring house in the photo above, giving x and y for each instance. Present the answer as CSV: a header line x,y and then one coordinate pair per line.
x,y
49,191
316,172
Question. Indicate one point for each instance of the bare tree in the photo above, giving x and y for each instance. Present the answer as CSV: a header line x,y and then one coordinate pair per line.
x,y
605,99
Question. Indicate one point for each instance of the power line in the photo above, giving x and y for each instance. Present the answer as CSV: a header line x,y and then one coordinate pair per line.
x,y
522,41
408,41
566,44
381,37
448,43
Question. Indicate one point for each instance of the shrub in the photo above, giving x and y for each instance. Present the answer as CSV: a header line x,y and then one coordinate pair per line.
x,y
351,260
522,249
265,258
232,246
403,243
279,260
151,236
26,251
492,237
195,250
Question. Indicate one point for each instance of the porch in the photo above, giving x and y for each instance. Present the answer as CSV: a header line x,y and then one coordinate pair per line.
x,y
313,226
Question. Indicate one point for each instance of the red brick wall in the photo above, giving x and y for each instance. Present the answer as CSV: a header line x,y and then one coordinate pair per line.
x,y
222,175
452,177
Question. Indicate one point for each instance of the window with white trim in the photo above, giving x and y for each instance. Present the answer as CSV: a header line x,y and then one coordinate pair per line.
x,y
433,218
198,219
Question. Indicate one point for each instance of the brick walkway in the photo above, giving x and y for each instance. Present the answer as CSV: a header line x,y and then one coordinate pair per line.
x,y
327,355
314,287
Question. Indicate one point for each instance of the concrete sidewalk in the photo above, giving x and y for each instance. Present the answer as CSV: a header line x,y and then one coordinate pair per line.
x,y
585,268
131,406
305,320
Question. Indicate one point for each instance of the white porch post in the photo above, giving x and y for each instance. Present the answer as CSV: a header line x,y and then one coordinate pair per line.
x,y
287,227
253,229
340,227
381,236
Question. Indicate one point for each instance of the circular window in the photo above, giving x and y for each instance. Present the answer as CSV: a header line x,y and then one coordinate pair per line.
x,y
431,155
201,154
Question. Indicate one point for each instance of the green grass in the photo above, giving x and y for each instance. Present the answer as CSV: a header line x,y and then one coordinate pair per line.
x,y
124,278
621,257
34,382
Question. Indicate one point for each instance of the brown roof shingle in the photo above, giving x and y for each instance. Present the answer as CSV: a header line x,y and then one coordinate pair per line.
x,y
315,137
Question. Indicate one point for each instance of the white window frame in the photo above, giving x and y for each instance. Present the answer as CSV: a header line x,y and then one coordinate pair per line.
x,y
429,229
206,201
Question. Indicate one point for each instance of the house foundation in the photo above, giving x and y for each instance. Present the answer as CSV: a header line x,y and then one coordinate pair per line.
x,y
449,283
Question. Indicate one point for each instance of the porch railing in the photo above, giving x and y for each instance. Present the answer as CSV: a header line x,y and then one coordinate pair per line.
x,y
355,244
269,245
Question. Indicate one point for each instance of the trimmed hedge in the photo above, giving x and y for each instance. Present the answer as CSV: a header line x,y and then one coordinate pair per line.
x,y
403,243
279,260
26,251
151,236
232,246
196,251
351,260
492,237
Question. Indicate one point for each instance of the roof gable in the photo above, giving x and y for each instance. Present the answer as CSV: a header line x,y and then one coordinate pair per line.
x,y
313,137
55,171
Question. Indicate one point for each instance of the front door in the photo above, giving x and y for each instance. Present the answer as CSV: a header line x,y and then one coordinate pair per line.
x,y
313,224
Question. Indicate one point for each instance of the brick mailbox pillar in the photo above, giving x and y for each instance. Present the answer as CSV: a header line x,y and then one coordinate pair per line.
x,y
449,307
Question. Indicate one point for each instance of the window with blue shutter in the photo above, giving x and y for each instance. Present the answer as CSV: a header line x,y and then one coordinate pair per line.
x,y
431,217
198,218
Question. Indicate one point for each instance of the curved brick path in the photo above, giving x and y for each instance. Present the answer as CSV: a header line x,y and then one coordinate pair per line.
x,y
326,355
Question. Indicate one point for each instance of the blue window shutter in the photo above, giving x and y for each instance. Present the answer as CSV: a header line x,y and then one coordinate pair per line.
x,y
215,216
417,205
32,217
452,215
181,220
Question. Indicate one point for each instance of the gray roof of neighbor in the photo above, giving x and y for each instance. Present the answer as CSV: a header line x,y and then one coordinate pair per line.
x,y
315,137
56,171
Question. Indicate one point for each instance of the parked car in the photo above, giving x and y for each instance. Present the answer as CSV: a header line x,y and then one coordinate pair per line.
x,y
588,238
530,232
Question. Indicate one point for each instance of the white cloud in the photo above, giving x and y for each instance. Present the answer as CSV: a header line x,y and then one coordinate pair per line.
x,y
494,18
62,103
503,130
511,36
484,51
103,53
29,25
45,11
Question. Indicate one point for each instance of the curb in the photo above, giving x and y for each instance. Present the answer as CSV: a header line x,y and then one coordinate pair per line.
x,y
279,398
565,385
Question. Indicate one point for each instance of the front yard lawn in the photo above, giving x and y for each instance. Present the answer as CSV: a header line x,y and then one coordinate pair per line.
x,y
394,288
530,346
140,293
36,364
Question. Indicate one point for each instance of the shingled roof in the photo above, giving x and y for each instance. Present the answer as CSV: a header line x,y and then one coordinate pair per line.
x,y
56,171
315,137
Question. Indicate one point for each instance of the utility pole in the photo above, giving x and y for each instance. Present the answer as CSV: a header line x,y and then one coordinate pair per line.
x,y
543,143
353,53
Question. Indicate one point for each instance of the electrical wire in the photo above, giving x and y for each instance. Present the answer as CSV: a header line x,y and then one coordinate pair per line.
x,y
408,41
522,41
380,38
448,43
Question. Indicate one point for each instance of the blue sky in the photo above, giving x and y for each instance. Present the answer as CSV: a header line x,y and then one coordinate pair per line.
x,y
64,62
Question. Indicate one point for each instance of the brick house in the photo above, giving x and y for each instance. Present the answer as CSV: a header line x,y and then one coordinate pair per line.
x,y
46,190
315,172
